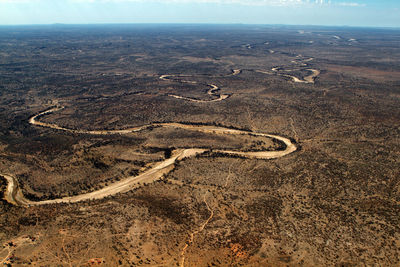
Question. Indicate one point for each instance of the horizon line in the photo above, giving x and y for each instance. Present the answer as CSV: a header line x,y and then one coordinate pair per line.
x,y
197,23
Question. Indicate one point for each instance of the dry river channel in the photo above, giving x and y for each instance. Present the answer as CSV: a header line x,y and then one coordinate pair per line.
x,y
15,196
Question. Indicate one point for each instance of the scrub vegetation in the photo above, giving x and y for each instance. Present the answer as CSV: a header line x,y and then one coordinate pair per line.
x,y
335,201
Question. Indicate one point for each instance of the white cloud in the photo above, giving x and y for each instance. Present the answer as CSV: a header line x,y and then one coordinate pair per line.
x,y
242,2
239,2
351,4
18,1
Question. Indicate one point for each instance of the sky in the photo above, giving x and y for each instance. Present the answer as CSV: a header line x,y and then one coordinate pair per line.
x,y
365,13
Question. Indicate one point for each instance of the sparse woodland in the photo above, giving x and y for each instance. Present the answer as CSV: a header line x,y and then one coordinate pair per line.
x,y
334,202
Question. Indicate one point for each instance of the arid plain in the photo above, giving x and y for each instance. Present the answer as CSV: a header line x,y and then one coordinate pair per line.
x,y
189,145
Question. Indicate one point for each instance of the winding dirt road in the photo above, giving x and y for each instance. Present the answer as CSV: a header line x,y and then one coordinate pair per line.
x,y
191,238
14,194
